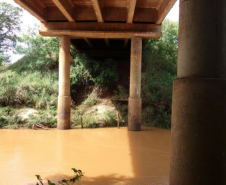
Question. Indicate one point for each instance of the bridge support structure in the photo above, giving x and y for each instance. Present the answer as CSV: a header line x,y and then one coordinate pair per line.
x,y
198,140
135,101
64,98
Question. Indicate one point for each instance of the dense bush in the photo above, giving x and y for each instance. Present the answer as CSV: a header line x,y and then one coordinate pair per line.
x,y
86,71
159,70
35,89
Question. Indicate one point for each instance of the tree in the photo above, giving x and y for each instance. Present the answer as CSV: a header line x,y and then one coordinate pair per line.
x,y
160,68
39,53
10,20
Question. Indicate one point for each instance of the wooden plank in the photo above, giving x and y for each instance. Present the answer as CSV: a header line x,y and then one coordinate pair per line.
x,y
131,10
85,13
100,34
65,8
97,9
164,10
159,4
32,10
146,15
92,26
114,14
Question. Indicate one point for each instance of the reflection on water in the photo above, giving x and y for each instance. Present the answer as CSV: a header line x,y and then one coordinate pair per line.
x,y
106,156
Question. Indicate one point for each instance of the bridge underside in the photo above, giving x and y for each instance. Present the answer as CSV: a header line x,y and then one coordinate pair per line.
x,y
121,27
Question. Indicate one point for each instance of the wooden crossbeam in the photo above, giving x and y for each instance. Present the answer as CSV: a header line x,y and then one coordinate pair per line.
x,y
97,9
131,10
66,8
92,26
164,9
37,11
100,34
100,30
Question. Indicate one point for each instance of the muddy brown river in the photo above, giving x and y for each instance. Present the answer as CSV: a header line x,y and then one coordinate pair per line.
x,y
106,156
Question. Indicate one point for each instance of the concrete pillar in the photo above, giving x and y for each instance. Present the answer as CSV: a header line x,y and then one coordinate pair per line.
x,y
64,98
198,138
135,101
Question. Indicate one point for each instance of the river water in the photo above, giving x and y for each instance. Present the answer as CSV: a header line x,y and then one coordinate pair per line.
x,y
105,155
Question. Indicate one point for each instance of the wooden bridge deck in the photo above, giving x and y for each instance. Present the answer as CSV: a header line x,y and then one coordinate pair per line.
x,y
100,27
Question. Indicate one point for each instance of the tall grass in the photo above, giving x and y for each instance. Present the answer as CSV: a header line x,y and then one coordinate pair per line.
x,y
35,89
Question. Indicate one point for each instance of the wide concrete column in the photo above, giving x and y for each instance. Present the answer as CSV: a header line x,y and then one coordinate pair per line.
x,y
135,101
64,98
198,141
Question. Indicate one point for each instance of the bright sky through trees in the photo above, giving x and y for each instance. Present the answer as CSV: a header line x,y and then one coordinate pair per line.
x,y
29,20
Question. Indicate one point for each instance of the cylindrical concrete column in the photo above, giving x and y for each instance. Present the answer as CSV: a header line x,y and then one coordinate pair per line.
x,y
135,101
198,138
64,98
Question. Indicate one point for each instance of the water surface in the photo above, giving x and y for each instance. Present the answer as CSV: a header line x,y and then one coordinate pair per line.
x,y
106,156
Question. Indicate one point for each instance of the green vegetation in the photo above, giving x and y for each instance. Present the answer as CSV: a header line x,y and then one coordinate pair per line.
x,y
78,175
159,70
9,29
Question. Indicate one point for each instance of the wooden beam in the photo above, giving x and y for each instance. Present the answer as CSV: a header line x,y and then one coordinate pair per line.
x,y
65,8
100,34
110,27
88,42
131,10
159,4
100,30
97,9
36,11
164,10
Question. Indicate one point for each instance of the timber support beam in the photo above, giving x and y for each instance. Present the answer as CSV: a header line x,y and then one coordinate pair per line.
x,y
100,30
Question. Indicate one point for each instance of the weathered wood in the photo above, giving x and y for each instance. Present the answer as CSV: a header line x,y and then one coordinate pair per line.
x,y
100,27
131,10
65,8
36,11
100,34
164,10
101,30
145,15
97,9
